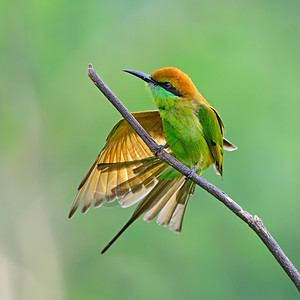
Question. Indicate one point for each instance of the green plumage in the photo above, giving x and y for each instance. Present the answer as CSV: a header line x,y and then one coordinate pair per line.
x,y
213,133
126,170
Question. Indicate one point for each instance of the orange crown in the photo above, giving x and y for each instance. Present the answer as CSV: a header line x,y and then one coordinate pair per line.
x,y
178,79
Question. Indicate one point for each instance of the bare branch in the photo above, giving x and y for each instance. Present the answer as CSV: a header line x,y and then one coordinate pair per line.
x,y
253,221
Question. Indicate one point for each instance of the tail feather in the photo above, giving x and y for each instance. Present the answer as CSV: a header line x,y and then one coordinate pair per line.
x,y
158,192
144,205
168,198
182,199
137,180
163,202
177,217
167,211
172,207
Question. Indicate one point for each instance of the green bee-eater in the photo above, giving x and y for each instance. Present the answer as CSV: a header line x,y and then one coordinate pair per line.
x,y
126,170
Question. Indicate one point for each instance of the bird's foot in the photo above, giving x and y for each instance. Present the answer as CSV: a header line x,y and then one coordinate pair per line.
x,y
160,148
192,171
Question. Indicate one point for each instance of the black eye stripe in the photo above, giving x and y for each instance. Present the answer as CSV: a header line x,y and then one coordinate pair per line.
x,y
170,88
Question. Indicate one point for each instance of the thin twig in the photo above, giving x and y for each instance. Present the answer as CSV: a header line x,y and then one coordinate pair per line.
x,y
253,221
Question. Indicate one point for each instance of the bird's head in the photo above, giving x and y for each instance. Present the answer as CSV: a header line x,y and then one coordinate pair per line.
x,y
169,85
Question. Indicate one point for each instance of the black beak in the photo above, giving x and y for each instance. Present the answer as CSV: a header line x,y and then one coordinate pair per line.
x,y
141,75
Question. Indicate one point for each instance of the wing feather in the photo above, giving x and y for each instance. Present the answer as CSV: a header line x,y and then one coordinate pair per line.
x,y
122,145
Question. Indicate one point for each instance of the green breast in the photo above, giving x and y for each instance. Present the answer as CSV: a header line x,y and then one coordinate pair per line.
x,y
184,135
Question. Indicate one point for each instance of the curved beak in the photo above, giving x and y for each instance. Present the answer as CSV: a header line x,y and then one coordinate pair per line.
x,y
141,75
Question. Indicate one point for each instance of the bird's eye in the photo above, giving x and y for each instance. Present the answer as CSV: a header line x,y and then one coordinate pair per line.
x,y
167,85
170,88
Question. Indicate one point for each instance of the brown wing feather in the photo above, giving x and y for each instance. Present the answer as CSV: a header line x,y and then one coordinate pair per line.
x,y
122,145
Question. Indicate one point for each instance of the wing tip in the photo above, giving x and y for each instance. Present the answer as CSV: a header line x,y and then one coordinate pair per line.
x,y
228,146
71,212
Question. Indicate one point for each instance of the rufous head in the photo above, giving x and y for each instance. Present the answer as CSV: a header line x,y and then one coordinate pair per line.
x,y
172,80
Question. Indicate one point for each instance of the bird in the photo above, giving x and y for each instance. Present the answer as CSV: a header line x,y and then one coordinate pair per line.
x,y
185,125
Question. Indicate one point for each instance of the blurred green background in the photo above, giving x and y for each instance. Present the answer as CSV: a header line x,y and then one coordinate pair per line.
x,y
244,58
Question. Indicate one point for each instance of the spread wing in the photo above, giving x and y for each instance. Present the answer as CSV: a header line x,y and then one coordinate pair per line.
x,y
127,151
125,162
